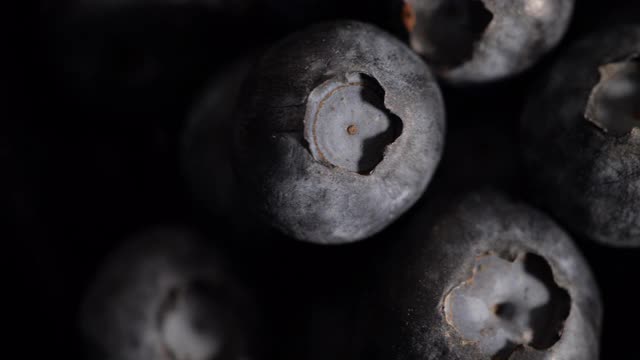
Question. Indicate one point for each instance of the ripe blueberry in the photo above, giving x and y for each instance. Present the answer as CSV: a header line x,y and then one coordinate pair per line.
x,y
164,295
339,131
487,278
475,41
582,138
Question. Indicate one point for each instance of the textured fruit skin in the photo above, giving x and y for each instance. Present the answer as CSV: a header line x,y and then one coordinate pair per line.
x,y
588,179
520,33
121,312
438,254
303,197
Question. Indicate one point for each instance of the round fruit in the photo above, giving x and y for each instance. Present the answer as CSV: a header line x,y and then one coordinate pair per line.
x,y
475,41
486,278
581,134
339,131
164,295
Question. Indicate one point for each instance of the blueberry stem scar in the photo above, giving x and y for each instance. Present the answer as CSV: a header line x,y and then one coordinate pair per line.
x,y
612,105
507,303
347,124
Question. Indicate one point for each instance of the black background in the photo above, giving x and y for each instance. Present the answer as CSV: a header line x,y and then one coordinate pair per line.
x,y
90,156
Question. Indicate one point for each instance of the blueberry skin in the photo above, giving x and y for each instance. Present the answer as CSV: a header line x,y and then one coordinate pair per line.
x,y
347,194
586,175
468,45
439,254
165,294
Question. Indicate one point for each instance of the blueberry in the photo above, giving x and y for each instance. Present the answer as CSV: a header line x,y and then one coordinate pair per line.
x,y
582,138
475,41
485,278
339,131
165,295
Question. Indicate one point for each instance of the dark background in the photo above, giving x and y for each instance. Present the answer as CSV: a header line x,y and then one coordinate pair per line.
x,y
90,154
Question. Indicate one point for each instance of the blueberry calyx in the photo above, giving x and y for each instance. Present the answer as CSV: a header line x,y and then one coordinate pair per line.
x,y
347,124
614,103
447,34
191,323
508,304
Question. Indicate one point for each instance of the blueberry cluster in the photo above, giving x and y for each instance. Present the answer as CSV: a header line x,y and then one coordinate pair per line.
x,y
280,179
